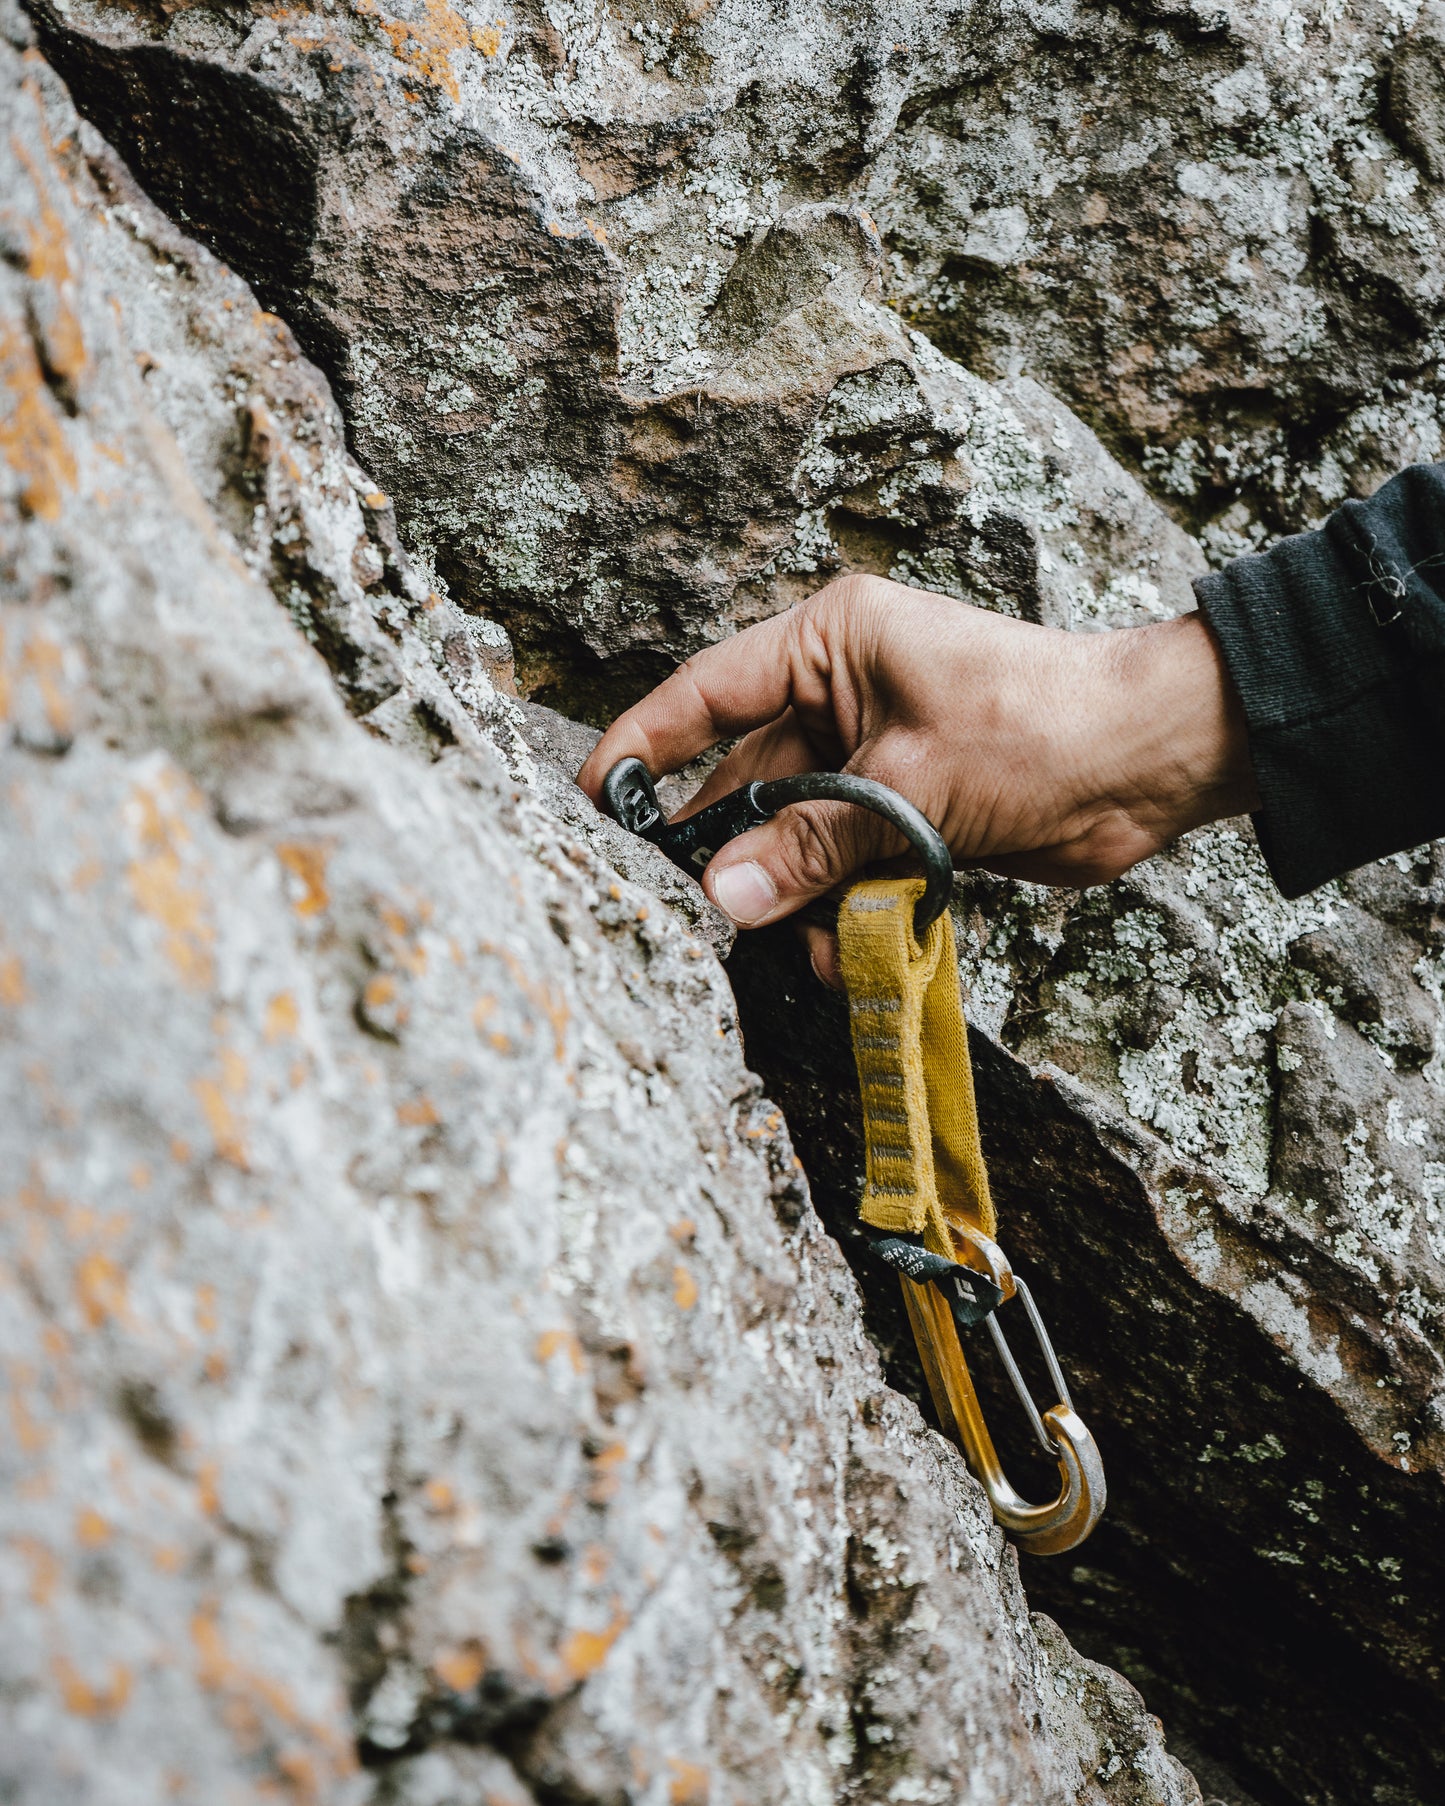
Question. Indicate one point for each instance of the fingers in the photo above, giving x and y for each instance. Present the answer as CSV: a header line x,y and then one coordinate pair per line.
x,y
739,684
802,853
822,946
778,750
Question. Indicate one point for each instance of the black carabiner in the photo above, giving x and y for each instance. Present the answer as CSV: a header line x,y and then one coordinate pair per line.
x,y
631,798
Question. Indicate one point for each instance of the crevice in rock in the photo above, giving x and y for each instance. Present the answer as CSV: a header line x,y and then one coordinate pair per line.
x,y
1171,1590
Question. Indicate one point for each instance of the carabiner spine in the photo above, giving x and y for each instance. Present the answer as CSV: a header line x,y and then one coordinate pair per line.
x,y
1040,1529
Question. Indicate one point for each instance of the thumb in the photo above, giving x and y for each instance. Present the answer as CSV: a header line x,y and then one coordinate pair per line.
x,y
805,851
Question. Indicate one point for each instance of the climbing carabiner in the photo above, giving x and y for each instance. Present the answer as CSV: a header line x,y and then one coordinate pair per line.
x,y
631,798
933,1302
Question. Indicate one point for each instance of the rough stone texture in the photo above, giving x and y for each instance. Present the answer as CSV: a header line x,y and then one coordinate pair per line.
x,y
603,307
1214,1126
427,1380
628,310
586,275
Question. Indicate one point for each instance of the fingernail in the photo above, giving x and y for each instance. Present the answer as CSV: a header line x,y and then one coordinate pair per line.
x,y
745,892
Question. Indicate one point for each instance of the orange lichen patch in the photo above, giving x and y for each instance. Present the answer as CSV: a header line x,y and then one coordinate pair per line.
x,y
215,1367
596,1560
768,1126
417,1113
410,955
307,862
221,1119
44,1566
32,437
684,1231
440,1496
91,1529
488,38
375,498
585,1650
100,1289
379,993
168,1558
48,262
545,996
551,1340
684,1288
30,1436
604,1481
12,982
426,44
256,1706
461,1669
45,662
282,1018
159,879
206,1310
140,1176
690,1784
87,1700
180,1150
208,1487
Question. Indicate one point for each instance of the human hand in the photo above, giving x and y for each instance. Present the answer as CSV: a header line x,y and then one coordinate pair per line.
x,y
1059,757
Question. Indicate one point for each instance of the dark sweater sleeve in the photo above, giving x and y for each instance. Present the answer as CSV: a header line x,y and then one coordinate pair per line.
x,y
1336,644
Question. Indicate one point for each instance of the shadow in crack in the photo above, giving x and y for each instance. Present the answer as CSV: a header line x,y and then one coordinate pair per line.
x,y
1176,1588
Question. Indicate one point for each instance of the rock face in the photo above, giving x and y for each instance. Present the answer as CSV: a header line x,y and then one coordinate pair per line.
x,y
651,320
428,1382
601,299
587,277
1214,1130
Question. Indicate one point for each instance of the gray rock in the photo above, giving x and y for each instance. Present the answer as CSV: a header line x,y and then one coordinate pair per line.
x,y
1416,96
650,323
605,311
428,1382
525,246
1215,1134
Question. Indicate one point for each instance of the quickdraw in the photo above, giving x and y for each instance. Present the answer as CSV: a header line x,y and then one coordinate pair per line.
x,y
927,1191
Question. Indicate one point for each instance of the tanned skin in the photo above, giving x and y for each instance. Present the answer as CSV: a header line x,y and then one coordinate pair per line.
x,y
1060,757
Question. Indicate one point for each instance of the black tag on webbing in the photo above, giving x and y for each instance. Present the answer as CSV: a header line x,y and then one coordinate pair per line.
x,y
971,1296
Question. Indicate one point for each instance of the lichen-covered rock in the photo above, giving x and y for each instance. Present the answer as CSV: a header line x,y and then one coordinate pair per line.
x,y
652,319
603,308
427,1381
586,274
1215,1133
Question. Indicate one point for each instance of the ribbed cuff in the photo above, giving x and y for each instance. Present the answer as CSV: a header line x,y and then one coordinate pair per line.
x,y
1345,753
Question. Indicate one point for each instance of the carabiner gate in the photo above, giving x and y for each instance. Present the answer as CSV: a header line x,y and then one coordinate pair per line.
x,y
631,798
1039,1529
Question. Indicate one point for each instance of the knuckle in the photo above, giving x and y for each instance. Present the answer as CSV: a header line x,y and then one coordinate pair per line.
x,y
812,852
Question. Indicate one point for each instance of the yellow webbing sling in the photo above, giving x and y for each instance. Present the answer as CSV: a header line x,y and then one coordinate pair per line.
x,y
926,1177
